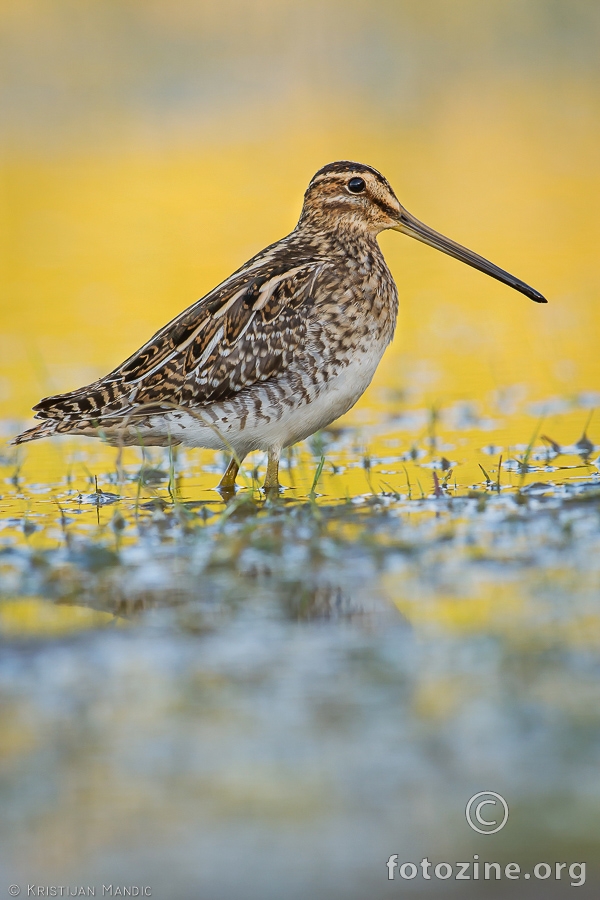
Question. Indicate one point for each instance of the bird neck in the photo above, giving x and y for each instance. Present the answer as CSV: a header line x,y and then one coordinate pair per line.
x,y
345,237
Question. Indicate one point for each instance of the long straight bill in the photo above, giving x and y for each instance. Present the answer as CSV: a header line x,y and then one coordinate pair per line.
x,y
415,229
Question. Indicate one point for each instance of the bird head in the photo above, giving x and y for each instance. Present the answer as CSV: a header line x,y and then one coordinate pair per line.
x,y
350,196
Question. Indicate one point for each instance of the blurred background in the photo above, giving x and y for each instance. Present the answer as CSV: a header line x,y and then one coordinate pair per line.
x,y
166,720
149,149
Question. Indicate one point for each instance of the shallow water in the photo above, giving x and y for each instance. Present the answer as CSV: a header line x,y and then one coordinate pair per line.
x,y
198,695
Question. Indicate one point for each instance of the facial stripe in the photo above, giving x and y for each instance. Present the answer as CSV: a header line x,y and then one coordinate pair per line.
x,y
385,207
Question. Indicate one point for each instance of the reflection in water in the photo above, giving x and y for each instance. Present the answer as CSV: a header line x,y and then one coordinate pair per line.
x,y
330,675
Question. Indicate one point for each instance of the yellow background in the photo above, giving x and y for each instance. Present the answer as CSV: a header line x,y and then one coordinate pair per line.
x,y
148,151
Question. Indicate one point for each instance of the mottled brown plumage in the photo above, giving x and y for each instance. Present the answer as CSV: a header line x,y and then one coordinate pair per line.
x,y
281,348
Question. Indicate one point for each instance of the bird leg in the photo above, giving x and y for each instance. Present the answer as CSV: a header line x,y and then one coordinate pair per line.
x,y
271,486
227,482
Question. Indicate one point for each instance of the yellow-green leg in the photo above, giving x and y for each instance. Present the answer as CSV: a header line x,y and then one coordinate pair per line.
x,y
271,486
227,482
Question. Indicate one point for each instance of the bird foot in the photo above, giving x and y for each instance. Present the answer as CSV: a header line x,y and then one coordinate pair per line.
x,y
227,492
227,487
272,490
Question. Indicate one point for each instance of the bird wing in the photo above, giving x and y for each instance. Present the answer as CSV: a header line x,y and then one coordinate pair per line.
x,y
247,330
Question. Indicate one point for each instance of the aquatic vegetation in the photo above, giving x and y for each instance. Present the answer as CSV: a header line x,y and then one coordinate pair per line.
x,y
183,630
158,535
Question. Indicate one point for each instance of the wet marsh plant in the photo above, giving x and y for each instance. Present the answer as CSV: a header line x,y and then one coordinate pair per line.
x,y
323,521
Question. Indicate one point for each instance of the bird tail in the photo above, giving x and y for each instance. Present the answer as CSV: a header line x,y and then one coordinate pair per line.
x,y
44,429
64,414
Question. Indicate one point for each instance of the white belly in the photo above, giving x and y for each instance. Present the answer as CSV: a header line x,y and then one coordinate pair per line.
x,y
227,426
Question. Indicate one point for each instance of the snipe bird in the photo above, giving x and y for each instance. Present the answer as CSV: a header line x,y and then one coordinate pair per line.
x,y
278,350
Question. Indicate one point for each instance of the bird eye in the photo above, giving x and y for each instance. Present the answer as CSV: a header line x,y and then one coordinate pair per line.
x,y
356,185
